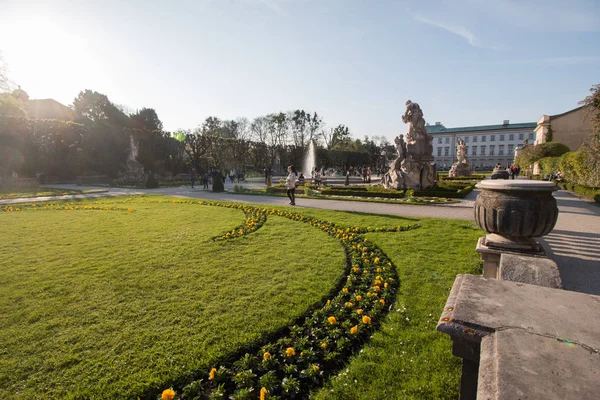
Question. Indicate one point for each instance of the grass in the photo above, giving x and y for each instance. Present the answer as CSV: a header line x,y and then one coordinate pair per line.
x,y
408,358
14,193
109,304
115,304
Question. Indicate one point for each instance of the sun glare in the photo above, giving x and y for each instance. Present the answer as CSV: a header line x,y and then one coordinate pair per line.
x,y
42,55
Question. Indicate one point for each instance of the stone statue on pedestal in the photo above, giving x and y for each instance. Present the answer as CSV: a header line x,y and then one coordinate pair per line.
x,y
461,167
413,167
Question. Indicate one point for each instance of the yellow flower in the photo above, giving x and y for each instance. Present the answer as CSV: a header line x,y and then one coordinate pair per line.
x,y
328,302
376,260
382,301
385,285
332,320
345,290
366,260
324,345
358,298
167,394
378,269
290,352
376,288
349,304
359,311
355,269
266,356
353,330
211,376
315,367
366,319
129,210
263,393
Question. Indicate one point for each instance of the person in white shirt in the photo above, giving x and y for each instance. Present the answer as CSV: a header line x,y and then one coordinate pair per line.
x,y
290,183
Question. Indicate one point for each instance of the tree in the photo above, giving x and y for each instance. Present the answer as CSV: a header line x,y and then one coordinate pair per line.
x,y
337,138
147,119
197,145
5,83
259,129
591,146
96,107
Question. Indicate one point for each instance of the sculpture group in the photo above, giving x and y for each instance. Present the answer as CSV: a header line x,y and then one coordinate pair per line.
x,y
413,167
461,167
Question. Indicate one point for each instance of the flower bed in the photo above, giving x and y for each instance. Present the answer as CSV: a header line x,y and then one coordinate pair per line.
x,y
321,341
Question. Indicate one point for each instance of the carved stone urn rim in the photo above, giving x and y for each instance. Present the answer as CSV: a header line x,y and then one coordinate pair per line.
x,y
519,185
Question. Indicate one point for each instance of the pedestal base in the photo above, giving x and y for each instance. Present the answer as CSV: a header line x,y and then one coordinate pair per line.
x,y
491,255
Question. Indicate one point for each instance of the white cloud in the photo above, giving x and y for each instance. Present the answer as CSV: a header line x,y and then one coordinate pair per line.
x,y
457,30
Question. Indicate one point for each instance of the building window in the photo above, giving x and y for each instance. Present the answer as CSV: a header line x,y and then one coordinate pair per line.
x,y
474,150
474,139
501,150
511,136
467,139
493,138
511,148
483,150
439,140
439,151
446,151
502,138
483,138
530,135
492,149
466,150
447,140
521,136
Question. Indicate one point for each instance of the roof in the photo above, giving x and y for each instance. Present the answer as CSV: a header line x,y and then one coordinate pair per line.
x,y
434,128
49,109
480,128
567,112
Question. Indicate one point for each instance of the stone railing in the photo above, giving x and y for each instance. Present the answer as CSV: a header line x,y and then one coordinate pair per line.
x,y
520,337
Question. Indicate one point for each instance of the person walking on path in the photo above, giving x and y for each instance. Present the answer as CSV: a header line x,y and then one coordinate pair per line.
x,y
193,176
205,181
290,183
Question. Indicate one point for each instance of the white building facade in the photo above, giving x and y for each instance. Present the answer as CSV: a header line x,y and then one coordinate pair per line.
x,y
487,145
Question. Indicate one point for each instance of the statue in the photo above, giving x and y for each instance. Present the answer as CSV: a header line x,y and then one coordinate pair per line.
x,y
413,167
461,151
400,147
461,167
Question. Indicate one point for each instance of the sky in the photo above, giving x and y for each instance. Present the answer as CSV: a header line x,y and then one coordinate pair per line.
x,y
354,62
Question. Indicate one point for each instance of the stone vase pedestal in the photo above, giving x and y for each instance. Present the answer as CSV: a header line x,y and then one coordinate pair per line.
x,y
513,213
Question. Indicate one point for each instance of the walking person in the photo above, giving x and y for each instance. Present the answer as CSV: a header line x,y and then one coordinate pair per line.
x,y
193,176
290,183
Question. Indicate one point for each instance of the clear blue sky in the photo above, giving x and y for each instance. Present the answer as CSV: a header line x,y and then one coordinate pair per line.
x,y
466,62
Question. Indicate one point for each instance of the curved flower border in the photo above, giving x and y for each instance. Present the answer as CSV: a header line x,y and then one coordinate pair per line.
x,y
319,345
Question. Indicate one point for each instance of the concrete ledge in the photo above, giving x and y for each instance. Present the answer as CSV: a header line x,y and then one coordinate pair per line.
x,y
516,364
538,271
528,341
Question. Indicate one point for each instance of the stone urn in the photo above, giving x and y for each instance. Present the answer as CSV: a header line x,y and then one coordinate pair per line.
x,y
514,212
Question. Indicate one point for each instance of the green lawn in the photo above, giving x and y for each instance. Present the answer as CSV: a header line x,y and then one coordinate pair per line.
x,y
128,301
109,303
13,193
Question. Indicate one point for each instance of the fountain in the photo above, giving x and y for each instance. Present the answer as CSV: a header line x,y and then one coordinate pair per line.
x,y
310,160
134,171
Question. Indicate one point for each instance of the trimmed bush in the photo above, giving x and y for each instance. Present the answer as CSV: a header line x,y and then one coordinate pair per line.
x,y
463,178
549,165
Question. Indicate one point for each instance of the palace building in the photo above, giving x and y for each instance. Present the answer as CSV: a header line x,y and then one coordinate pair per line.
x,y
487,145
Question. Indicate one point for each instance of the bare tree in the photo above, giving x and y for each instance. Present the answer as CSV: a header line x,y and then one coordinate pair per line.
x,y
259,129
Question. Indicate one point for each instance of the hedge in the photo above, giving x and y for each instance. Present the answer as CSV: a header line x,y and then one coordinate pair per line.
x,y
463,178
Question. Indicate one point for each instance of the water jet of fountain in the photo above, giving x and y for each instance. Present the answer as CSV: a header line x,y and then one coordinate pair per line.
x,y
310,159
